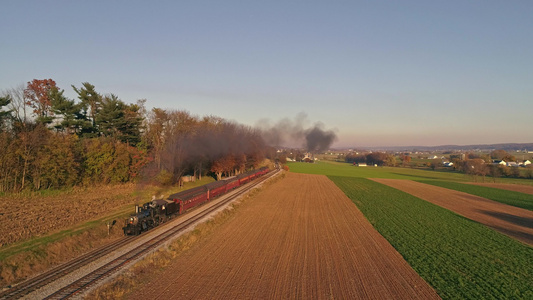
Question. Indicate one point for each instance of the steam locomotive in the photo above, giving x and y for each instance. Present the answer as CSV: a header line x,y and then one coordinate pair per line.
x,y
158,211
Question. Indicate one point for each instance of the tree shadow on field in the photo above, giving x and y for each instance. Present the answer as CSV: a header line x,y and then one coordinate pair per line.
x,y
521,221
519,235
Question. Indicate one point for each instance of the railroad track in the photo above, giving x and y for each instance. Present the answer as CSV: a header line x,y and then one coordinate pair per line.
x,y
89,280
53,274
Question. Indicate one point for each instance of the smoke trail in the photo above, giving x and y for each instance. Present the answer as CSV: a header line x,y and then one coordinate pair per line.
x,y
293,133
319,140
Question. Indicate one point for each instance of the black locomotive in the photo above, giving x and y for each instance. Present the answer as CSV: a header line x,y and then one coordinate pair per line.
x,y
158,211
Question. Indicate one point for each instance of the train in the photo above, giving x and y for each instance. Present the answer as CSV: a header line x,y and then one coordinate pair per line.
x,y
158,211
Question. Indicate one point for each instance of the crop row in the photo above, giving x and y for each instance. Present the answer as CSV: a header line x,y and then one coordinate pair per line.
x,y
460,258
504,196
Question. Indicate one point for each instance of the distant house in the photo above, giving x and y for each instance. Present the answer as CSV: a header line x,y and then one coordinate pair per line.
x,y
512,164
526,162
448,164
500,162
433,157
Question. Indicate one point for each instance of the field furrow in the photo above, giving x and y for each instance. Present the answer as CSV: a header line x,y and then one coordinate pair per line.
x,y
302,238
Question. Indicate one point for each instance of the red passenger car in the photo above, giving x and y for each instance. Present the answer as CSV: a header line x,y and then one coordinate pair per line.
x,y
189,198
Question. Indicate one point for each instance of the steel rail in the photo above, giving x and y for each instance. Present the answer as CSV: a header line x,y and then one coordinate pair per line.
x,y
109,268
55,273
99,274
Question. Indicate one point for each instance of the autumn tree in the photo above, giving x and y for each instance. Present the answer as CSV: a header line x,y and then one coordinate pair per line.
x,y
5,114
529,172
435,163
494,171
29,143
96,158
37,94
18,107
376,158
56,164
502,155
498,154
240,163
217,168
390,160
154,136
406,159
476,167
355,158
9,162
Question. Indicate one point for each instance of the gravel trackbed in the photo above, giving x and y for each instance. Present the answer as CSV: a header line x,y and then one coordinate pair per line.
x,y
301,238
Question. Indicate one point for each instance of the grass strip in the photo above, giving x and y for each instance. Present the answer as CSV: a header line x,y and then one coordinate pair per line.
x,y
348,170
36,242
460,258
504,196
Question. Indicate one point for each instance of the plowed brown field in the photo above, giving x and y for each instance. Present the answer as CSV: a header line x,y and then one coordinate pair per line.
x,y
301,238
513,221
526,189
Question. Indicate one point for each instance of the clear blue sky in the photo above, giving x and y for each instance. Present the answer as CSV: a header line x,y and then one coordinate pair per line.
x,y
378,72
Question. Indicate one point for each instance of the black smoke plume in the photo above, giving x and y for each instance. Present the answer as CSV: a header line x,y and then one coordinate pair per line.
x,y
318,140
297,133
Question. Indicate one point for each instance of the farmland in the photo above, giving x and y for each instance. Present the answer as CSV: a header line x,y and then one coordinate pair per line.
x,y
288,244
48,228
504,196
343,169
460,258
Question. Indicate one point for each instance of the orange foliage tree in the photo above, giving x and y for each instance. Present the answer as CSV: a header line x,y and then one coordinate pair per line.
x,y
37,94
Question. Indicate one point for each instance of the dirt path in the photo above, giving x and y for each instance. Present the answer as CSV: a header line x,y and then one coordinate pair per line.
x,y
301,238
512,221
526,189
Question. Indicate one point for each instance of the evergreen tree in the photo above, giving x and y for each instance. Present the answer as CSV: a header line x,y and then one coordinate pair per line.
x,y
70,117
120,121
91,103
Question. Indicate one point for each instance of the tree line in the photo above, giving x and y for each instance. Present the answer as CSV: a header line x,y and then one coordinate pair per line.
x,y
51,141
372,158
476,165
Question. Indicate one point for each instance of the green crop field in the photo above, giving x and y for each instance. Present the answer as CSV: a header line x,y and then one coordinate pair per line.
x,y
344,169
460,258
507,197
